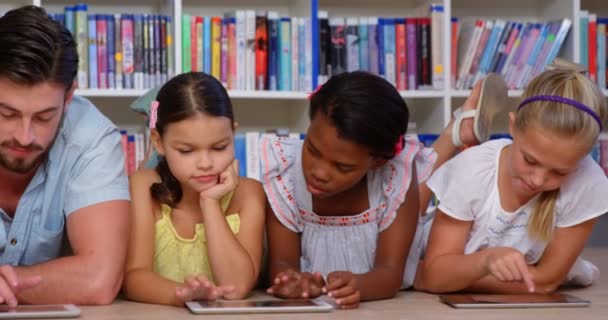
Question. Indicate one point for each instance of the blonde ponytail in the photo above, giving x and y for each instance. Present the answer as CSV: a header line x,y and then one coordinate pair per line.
x,y
541,222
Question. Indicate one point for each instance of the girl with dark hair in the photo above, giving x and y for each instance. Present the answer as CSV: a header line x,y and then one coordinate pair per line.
x,y
344,204
196,229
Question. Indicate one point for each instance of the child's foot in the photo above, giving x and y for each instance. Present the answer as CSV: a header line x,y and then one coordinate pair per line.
x,y
466,132
473,121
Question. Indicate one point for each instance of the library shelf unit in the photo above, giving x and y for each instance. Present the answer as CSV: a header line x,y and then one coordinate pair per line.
x,y
259,110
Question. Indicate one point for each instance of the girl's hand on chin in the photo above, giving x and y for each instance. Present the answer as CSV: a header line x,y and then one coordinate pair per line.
x,y
227,182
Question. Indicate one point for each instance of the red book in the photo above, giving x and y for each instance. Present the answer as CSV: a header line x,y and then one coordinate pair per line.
x,y
401,54
102,52
593,47
261,53
193,45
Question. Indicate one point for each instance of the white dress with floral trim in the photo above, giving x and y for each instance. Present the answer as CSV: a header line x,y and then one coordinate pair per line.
x,y
341,243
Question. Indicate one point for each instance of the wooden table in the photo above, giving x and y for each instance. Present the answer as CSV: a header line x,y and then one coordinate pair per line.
x,y
407,305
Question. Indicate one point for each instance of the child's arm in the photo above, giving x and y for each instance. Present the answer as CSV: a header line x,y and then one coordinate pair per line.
x,y
235,260
445,267
386,277
141,283
552,268
496,270
286,280
283,246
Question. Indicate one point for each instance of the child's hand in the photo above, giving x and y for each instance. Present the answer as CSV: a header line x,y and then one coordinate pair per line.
x,y
342,287
200,288
295,285
228,180
508,264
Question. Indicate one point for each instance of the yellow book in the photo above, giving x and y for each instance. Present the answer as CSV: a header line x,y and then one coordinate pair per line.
x,y
216,46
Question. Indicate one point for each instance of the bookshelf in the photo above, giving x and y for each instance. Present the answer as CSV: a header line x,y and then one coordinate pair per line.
x,y
257,110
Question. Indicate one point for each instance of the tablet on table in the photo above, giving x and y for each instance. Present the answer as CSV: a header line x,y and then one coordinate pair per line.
x,y
259,306
39,311
553,300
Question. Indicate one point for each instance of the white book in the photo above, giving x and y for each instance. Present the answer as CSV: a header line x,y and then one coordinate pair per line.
x,y
437,39
469,37
352,43
250,50
253,155
140,150
307,87
295,54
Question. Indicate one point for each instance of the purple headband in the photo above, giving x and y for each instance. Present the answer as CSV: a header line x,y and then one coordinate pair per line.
x,y
560,99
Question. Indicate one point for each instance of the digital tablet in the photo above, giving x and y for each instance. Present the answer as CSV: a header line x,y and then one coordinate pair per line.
x,y
39,311
477,301
258,306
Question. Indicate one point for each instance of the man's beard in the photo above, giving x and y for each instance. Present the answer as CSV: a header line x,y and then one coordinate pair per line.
x,y
21,165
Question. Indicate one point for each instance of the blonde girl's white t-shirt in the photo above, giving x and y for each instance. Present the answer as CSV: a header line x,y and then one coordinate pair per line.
x,y
467,189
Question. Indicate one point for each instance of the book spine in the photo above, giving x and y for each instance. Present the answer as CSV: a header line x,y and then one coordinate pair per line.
x,y
338,50
118,55
92,29
186,44
261,53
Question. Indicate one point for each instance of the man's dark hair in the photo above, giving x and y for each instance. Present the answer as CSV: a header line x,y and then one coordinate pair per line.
x,y
36,49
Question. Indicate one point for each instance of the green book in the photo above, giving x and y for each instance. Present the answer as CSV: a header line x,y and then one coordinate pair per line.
x,y
186,45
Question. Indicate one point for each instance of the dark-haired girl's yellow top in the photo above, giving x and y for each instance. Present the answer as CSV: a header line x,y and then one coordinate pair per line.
x,y
176,258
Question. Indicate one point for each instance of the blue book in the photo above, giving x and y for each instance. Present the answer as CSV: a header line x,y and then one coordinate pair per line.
x,y
363,44
157,52
111,51
529,63
207,45
273,51
285,54
602,25
93,73
503,58
301,56
315,31
559,40
381,48
240,153
372,34
490,49
59,17
584,39
70,19
389,50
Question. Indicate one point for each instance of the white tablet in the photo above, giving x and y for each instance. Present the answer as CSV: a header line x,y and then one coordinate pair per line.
x,y
39,311
483,301
258,306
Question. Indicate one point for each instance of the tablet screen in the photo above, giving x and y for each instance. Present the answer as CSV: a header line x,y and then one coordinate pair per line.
x,y
512,300
32,308
520,298
256,304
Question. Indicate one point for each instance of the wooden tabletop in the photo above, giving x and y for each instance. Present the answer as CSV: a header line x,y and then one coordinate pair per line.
x,y
407,305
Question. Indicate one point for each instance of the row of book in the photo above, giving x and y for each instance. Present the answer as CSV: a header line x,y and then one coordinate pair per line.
x,y
407,52
516,50
246,50
247,146
262,51
120,51
593,48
